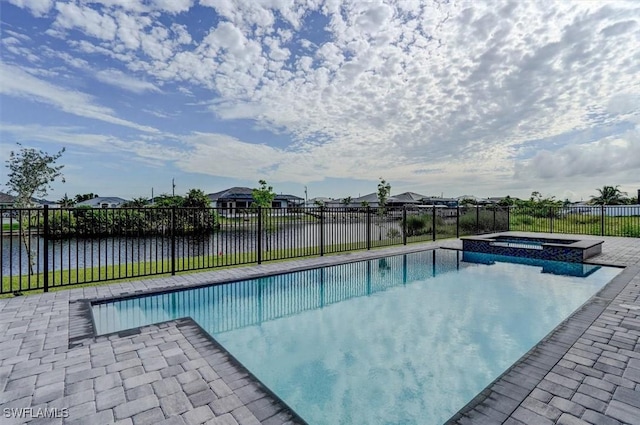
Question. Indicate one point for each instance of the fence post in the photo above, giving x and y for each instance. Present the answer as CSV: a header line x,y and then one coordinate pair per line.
x,y
173,241
46,248
259,238
404,224
602,220
321,230
457,221
368,227
477,219
551,219
494,217
433,223
508,218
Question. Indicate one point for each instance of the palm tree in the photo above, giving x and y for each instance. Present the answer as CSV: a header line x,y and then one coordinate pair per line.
x,y
609,195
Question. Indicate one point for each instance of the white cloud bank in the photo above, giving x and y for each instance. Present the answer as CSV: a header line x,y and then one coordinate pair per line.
x,y
14,81
445,92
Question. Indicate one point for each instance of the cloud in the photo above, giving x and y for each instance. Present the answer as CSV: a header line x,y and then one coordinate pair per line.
x,y
37,7
124,81
60,135
614,157
149,150
14,81
460,89
85,19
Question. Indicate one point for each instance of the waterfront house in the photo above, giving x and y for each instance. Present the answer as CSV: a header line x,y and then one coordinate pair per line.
x,y
396,201
103,202
239,198
324,201
6,200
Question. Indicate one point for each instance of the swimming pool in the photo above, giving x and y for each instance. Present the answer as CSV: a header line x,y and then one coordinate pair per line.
x,y
404,339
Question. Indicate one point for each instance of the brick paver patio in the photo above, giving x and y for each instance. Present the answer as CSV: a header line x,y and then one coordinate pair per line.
x,y
586,372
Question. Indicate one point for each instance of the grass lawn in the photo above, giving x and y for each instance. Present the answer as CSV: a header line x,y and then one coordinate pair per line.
x,y
582,224
10,226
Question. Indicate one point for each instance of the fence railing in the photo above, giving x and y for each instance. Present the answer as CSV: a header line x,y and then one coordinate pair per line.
x,y
45,248
597,220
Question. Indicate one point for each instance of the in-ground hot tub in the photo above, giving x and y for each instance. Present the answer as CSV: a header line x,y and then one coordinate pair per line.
x,y
558,249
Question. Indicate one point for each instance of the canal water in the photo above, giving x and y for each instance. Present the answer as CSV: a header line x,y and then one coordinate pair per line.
x,y
77,253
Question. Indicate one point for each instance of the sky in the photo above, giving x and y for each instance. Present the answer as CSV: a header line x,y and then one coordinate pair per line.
x,y
440,97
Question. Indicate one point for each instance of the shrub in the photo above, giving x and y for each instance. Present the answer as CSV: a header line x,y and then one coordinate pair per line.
x,y
485,222
418,224
393,233
61,223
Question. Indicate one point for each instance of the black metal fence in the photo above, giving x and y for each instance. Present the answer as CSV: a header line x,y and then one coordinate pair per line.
x,y
597,220
45,248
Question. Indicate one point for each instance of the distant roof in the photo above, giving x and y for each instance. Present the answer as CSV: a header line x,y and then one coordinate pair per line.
x,y
234,192
407,198
5,198
244,193
370,198
289,197
102,200
321,199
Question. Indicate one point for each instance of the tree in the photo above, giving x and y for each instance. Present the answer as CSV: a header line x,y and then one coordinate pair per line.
x,y
84,197
539,206
467,201
136,202
196,199
507,201
202,219
346,201
66,202
167,201
609,195
384,190
31,172
264,195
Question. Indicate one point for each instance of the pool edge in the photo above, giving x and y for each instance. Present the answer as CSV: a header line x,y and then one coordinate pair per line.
x,y
502,388
502,397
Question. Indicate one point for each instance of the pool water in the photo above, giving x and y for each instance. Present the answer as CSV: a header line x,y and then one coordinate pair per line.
x,y
408,339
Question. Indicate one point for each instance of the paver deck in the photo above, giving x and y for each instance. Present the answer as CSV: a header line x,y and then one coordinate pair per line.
x,y
587,371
